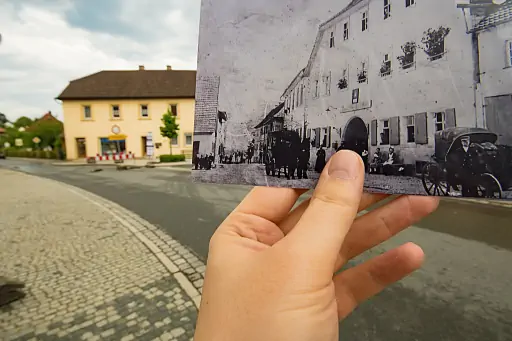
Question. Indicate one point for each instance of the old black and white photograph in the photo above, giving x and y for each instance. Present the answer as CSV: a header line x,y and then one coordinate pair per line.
x,y
420,89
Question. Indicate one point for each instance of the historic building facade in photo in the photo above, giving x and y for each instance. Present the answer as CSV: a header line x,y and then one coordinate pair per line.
x,y
113,112
494,38
387,73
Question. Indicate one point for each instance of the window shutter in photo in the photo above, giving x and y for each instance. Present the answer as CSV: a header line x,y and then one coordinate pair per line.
x,y
450,118
420,128
374,134
329,130
317,137
394,131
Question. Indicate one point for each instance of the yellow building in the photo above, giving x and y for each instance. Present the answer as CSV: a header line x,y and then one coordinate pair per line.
x,y
112,112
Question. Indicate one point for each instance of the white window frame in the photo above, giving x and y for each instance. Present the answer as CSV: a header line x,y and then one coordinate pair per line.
x,y
364,21
84,112
191,139
170,108
387,9
177,141
113,111
410,121
442,122
346,31
146,111
331,40
387,59
385,128
508,52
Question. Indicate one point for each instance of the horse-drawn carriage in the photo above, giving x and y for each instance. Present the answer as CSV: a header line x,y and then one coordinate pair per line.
x,y
468,160
285,154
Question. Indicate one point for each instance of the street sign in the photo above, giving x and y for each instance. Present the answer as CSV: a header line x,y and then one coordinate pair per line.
x,y
18,142
36,140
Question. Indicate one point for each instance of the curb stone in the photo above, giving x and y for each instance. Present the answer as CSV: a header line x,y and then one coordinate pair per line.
x,y
182,263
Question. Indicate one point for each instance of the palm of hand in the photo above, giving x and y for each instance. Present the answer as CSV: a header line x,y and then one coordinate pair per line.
x,y
272,272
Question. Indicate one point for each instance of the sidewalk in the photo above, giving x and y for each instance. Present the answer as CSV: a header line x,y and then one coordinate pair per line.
x,y
92,270
134,162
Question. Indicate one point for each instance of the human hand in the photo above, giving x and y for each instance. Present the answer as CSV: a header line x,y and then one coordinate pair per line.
x,y
272,271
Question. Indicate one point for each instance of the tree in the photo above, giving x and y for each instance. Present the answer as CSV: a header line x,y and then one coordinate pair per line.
x,y
170,128
23,121
49,131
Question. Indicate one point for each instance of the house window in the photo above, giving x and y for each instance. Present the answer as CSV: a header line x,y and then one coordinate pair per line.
x,y
364,21
384,135
115,111
173,108
385,69
362,75
302,94
345,31
331,43
409,3
316,88
387,9
144,110
87,112
439,120
509,53
410,128
293,100
355,96
343,83
437,51
174,141
297,98
188,139
327,84
408,58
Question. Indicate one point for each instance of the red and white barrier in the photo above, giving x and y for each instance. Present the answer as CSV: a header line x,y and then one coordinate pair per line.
x,y
115,157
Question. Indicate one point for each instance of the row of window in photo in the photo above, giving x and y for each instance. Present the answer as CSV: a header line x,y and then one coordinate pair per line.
x,y
115,111
390,133
408,61
112,147
364,21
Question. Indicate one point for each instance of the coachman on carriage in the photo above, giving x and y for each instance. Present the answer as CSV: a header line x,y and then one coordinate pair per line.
x,y
468,160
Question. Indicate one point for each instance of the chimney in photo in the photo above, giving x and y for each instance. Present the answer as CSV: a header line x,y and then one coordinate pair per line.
x,y
141,67
169,67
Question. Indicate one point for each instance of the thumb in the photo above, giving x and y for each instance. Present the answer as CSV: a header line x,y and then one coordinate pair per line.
x,y
319,234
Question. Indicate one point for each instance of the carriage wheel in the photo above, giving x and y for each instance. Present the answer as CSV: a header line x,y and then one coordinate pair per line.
x,y
434,181
489,187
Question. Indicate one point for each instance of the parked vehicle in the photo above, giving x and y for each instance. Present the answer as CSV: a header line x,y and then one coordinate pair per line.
x,y
468,159
2,154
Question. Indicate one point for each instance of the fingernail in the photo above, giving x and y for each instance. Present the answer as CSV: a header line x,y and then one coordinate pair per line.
x,y
344,165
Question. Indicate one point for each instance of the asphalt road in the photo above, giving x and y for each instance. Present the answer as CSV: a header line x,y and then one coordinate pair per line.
x,y
463,292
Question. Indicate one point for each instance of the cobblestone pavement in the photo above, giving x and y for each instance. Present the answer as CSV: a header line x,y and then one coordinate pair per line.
x,y
92,270
254,175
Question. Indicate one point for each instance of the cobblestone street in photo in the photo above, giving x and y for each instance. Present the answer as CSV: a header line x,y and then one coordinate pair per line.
x,y
87,274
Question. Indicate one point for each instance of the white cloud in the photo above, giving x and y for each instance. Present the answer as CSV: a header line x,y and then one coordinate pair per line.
x,y
41,51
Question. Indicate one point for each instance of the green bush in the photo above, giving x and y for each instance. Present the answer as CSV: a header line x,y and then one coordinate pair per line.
x,y
37,154
172,158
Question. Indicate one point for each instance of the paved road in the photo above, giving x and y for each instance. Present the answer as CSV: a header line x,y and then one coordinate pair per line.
x,y
91,269
462,293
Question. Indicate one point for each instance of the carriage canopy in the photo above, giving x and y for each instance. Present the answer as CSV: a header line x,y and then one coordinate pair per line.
x,y
450,138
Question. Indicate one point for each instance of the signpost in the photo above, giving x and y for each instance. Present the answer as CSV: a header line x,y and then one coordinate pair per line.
x,y
18,142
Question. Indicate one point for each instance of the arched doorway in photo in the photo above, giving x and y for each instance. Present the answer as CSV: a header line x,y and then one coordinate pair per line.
x,y
355,138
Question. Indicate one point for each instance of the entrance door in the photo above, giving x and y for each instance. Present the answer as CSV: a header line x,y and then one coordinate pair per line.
x,y
498,115
81,150
144,141
195,150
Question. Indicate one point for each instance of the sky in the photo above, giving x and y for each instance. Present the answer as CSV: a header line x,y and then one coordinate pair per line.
x,y
257,48
47,43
